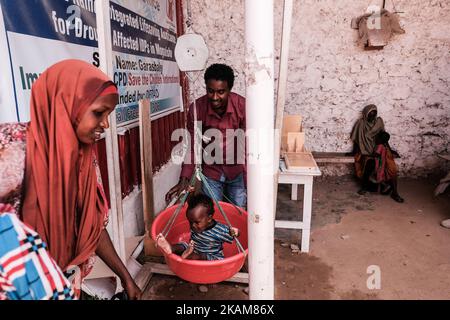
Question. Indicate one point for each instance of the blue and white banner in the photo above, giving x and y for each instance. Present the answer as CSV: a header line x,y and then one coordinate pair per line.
x,y
34,34
143,36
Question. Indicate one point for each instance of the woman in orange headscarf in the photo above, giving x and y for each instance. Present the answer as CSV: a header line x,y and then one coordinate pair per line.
x,y
63,198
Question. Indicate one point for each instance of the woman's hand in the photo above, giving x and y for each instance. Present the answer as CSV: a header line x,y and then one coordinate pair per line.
x,y
106,252
234,232
133,291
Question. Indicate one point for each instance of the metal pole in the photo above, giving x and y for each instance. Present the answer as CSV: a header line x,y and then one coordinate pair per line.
x,y
260,124
282,87
112,147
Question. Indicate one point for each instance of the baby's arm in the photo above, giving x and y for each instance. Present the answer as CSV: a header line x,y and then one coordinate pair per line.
x,y
227,233
234,232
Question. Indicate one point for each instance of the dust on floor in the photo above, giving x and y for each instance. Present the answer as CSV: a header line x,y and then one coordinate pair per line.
x,y
357,242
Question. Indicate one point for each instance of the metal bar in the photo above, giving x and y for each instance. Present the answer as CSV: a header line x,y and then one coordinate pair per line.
x,y
112,147
282,85
260,145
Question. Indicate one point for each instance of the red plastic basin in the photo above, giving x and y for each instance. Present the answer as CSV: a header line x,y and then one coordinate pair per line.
x,y
199,271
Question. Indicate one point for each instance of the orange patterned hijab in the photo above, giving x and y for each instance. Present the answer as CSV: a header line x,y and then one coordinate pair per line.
x,y
62,200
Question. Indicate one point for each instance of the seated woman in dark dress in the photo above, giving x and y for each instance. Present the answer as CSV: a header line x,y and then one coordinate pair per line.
x,y
374,159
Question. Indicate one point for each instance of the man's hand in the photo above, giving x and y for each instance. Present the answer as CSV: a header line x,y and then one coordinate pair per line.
x,y
234,232
183,184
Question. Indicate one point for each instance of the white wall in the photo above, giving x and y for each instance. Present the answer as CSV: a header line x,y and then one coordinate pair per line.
x,y
163,180
331,79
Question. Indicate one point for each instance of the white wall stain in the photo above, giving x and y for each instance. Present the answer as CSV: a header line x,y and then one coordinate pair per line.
x,y
330,78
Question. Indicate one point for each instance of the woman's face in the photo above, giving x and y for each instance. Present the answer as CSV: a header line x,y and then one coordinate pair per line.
x,y
372,115
95,119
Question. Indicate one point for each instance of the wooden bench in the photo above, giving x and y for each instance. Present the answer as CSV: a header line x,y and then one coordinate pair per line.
x,y
332,157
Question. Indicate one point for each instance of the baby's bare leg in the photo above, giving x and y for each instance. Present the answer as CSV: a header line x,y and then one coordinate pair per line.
x,y
196,256
165,246
162,243
189,254
189,251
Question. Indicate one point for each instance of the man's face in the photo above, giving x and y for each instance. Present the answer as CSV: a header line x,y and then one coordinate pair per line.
x,y
218,92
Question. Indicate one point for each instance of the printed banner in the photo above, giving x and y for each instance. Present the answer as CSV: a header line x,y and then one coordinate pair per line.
x,y
35,34
143,41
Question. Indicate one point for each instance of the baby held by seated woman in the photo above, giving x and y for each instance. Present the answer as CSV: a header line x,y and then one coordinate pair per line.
x,y
207,235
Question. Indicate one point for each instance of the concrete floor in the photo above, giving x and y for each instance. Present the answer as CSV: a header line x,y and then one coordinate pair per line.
x,y
351,233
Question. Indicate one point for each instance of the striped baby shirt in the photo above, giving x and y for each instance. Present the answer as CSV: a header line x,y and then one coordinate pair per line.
x,y
210,241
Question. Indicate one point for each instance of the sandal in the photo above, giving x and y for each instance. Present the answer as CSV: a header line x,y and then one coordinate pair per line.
x,y
385,190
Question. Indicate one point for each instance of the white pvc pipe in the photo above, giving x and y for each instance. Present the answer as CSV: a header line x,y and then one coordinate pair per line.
x,y
284,60
260,124
282,86
112,147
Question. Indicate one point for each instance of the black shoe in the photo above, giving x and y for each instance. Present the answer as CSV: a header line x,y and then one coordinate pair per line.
x,y
362,192
371,187
120,296
397,198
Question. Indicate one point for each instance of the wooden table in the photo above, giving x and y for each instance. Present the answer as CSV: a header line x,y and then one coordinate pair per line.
x,y
295,178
